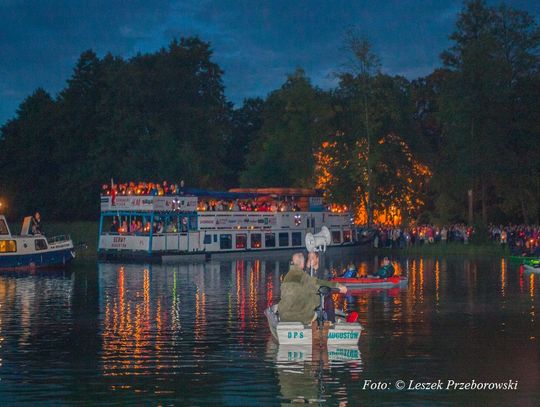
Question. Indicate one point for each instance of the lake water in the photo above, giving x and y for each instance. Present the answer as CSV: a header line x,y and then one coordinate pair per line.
x,y
195,334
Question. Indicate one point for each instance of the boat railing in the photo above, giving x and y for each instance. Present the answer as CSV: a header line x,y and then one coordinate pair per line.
x,y
58,239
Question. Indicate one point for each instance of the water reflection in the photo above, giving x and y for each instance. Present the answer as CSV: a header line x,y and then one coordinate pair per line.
x,y
195,333
309,374
188,320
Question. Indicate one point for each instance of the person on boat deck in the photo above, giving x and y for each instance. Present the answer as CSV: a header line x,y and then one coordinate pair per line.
x,y
115,226
36,224
350,271
386,270
124,228
299,292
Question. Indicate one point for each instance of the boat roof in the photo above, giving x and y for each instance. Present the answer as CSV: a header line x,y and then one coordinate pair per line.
x,y
252,193
221,194
275,191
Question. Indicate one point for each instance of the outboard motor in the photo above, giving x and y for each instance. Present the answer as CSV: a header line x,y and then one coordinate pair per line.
x,y
322,316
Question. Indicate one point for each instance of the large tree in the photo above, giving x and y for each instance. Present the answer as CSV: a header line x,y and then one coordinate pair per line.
x,y
28,177
153,117
493,59
295,118
357,86
246,123
366,161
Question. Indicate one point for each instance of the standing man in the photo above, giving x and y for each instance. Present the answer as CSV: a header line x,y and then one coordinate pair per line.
x,y
36,224
299,291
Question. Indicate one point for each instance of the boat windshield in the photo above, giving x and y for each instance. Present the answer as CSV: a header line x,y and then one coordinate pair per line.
x,y
3,227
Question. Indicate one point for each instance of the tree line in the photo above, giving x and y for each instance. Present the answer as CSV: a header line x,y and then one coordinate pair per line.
x,y
459,143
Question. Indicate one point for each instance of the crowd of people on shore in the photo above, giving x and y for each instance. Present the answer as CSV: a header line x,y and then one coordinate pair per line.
x,y
521,239
396,237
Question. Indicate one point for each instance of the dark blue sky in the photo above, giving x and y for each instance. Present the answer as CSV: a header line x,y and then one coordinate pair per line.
x,y
257,43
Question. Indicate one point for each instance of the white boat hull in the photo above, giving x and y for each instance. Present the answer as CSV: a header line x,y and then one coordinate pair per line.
x,y
296,333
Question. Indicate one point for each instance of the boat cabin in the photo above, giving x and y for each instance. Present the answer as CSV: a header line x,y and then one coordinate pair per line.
x,y
204,222
7,243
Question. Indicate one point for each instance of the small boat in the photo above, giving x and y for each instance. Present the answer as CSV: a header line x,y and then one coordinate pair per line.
x,y
532,267
296,333
371,282
32,251
525,260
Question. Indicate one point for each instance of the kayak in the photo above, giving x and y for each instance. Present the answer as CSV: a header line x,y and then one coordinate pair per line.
x,y
289,333
532,268
525,260
370,282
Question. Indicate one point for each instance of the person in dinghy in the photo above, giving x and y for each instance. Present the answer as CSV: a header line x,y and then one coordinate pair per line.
x,y
350,272
299,292
386,270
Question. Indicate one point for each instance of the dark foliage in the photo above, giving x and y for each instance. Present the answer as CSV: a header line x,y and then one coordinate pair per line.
x,y
164,116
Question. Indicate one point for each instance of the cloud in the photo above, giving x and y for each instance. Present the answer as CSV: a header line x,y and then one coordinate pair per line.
x,y
40,41
256,42
259,43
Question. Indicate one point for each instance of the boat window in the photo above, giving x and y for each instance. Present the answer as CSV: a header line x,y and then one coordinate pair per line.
x,y
8,246
241,241
347,236
215,238
256,241
269,240
41,244
296,238
3,227
207,239
283,239
225,241
336,236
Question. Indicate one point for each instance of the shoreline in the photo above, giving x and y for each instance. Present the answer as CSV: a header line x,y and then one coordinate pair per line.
x,y
442,249
87,232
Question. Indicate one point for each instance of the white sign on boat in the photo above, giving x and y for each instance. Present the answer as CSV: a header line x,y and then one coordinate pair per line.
x,y
296,333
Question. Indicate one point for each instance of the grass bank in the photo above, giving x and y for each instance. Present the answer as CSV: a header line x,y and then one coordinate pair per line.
x,y
81,232
441,249
87,232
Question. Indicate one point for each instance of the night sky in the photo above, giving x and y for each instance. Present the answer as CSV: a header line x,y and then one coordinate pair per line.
x,y
257,43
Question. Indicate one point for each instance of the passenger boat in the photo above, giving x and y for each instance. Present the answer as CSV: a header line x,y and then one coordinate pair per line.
x,y
185,226
358,283
296,333
29,252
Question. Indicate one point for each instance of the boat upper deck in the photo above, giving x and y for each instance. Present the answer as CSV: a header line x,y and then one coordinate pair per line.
x,y
196,200
137,203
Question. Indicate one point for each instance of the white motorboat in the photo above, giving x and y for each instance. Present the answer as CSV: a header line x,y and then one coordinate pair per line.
x,y
29,251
